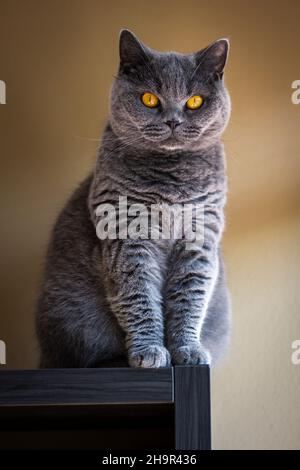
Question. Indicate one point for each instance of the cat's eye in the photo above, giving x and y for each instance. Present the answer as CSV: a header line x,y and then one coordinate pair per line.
x,y
150,100
194,102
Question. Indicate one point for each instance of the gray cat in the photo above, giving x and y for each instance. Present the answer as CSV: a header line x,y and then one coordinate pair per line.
x,y
142,301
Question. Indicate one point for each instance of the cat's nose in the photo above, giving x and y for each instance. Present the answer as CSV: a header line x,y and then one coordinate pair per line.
x,y
172,123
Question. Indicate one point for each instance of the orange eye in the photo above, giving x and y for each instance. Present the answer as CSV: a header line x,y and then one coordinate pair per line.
x,y
150,100
194,102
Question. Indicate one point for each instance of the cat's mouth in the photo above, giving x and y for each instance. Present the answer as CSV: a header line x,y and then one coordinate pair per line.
x,y
171,143
161,135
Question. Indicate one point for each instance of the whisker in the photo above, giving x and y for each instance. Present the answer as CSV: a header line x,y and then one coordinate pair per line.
x,y
124,144
86,138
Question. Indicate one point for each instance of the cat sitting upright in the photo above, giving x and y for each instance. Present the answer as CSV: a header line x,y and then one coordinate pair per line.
x,y
145,301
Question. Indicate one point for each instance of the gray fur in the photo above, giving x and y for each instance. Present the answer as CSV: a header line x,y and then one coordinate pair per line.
x,y
148,302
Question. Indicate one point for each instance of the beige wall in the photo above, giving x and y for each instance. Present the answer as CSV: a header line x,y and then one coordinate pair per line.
x,y
58,59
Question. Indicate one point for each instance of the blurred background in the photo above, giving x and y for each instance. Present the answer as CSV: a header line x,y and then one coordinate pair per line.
x,y
58,59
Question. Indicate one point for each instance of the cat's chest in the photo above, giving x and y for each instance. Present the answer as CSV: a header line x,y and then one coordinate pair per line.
x,y
167,191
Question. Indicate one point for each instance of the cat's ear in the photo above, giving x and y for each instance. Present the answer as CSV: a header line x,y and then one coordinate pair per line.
x,y
132,51
214,57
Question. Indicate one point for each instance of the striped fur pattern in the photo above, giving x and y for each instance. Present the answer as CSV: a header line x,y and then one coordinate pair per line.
x,y
144,302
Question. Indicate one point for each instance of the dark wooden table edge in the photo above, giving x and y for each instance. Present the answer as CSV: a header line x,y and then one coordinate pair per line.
x,y
186,388
85,386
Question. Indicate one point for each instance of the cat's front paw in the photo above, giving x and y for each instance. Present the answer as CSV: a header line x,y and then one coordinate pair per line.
x,y
191,354
149,357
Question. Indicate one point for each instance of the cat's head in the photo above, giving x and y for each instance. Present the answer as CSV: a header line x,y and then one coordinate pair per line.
x,y
169,101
